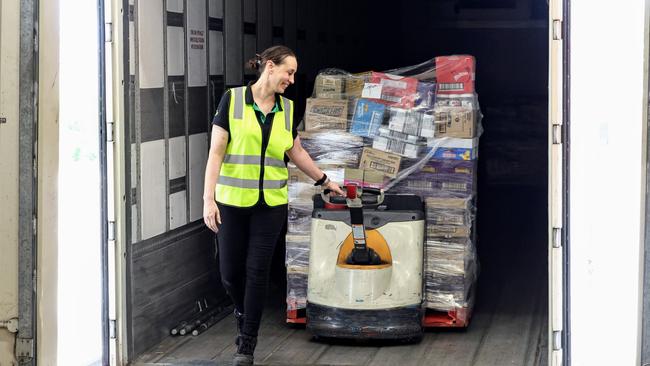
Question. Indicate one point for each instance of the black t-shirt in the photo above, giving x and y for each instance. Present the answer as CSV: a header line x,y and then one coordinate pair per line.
x,y
221,117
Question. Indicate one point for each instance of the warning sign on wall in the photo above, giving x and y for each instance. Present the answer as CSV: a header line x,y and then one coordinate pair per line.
x,y
197,39
197,62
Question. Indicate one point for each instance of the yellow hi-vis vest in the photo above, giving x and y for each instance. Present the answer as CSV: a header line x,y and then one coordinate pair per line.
x,y
239,181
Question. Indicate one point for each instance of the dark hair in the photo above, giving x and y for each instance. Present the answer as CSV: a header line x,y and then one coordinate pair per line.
x,y
277,54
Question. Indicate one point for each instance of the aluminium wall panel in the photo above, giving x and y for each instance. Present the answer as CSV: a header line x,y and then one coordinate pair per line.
x,y
177,157
176,106
132,49
134,223
198,159
175,54
175,6
250,49
290,16
150,43
278,22
152,177
215,9
234,42
177,209
134,198
264,24
250,33
250,11
216,52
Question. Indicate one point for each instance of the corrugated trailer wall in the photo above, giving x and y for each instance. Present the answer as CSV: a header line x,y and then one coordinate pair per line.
x,y
177,76
183,55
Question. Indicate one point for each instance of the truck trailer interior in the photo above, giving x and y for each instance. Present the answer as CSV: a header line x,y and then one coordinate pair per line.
x,y
181,56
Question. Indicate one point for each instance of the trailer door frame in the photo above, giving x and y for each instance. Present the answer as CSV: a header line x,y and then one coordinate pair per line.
x,y
557,183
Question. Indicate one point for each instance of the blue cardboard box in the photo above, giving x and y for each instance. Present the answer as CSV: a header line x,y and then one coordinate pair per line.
x,y
368,117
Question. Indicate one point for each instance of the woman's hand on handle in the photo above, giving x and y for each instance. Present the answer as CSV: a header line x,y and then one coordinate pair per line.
x,y
334,187
211,215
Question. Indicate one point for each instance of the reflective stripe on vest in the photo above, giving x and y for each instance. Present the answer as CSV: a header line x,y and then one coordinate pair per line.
x,y
239,180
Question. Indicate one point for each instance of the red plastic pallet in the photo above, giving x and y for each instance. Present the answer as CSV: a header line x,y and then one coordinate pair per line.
x,y
457,318
297,316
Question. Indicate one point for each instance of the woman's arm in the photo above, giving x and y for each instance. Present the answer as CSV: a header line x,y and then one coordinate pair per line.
x,y
303,161
218,144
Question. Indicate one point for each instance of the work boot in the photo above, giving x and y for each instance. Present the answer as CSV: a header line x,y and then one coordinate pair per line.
x,y
245,349
240,324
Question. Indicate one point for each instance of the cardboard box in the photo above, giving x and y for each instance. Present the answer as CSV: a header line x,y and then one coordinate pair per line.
x,y
411,122
448,216
455,148
330,114
398,147
412,139
365,178
448,202
329,86
455,74
455,122
456,167
354,84
368,116
397,91
381,161
448,185
448,231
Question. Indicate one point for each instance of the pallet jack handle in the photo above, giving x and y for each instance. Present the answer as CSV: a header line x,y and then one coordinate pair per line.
x,y
367,196
355,198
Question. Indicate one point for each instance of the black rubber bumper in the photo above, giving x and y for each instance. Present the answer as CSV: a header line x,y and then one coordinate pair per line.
x,y
394,323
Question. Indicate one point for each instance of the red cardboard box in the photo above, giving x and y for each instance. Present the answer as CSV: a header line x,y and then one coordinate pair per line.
x,y
455,74
396,91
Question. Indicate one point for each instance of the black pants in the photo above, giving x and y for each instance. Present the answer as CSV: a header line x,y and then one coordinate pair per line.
x,y
247,239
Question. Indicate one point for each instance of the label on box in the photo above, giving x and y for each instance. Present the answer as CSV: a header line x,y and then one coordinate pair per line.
x,y
329,86
397,146
455,122
381,161
455,148
371,91
326,114
455,74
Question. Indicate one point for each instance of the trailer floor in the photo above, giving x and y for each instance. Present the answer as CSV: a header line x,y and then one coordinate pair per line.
x,y
508,327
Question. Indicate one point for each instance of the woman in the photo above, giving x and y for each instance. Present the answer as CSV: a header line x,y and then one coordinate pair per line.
x,y
253,130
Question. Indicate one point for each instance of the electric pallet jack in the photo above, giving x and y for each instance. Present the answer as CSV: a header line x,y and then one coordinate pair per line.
x,y
366,265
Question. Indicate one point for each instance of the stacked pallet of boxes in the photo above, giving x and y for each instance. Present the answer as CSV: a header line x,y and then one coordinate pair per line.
x,y
413,134
332,148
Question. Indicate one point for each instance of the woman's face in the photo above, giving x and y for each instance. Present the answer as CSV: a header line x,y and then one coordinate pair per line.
x,y
282,75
